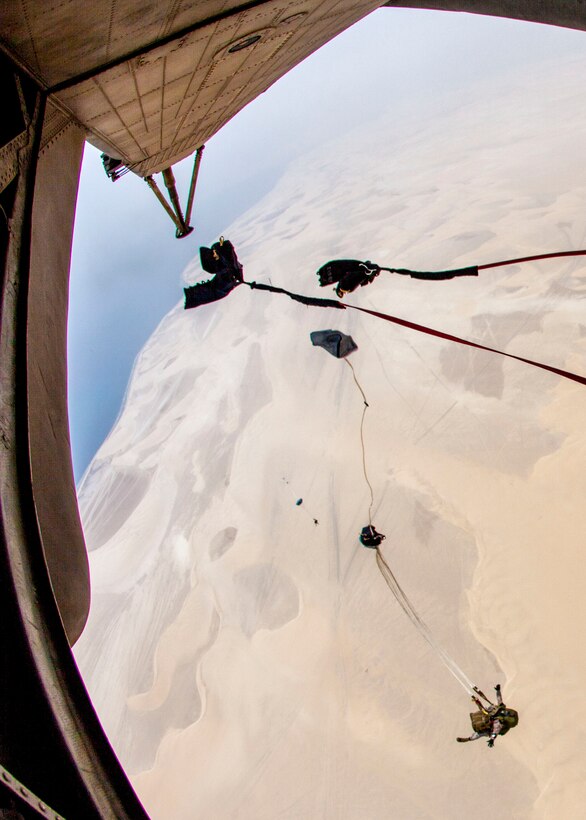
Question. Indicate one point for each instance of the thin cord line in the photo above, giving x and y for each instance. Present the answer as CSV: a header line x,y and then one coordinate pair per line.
x,y
365,408
421,626
392,582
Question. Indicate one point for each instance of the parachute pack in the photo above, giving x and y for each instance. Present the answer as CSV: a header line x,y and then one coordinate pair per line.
x,y
480,721
221,256
350,274
222,261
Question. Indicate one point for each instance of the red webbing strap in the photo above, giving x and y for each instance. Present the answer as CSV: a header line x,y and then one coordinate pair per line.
x,y
448,336
556,255
313,302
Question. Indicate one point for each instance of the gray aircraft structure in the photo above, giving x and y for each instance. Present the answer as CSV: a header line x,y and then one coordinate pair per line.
x,y
148,83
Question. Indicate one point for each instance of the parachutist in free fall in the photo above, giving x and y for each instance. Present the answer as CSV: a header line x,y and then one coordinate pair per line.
x,y
493,721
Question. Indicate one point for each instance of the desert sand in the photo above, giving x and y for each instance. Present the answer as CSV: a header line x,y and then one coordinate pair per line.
x,y
248,663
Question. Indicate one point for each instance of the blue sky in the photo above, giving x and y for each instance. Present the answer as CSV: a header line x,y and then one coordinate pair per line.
x,y
126,263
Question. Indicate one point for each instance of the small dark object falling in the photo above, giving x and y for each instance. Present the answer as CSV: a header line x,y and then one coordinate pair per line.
x,y
369,537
